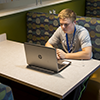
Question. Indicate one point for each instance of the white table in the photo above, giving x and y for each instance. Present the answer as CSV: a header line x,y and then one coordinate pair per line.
x,y
13,66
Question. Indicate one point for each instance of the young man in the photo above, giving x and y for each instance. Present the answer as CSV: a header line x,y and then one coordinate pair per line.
x,y
76,43
75,39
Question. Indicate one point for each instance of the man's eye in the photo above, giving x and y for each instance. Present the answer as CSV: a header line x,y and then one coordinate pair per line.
x,y
66,24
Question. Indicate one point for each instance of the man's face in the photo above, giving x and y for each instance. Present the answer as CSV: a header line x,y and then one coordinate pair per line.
x,y
67,25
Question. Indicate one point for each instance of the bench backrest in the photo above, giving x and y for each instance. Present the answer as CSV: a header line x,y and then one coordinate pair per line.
x,y
41,26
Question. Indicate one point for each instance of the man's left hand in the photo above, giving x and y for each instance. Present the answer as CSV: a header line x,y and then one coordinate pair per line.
x,y
60,53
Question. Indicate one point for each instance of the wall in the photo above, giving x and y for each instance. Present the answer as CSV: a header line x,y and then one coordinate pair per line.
x,y
15,25
15,3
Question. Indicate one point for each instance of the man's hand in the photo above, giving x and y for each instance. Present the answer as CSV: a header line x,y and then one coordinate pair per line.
x,y
60,54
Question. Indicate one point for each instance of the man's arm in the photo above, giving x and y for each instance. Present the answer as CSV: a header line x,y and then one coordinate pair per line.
x,y
84,54
48,44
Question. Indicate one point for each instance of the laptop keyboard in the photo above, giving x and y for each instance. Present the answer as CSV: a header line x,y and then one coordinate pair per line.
x,y
60,66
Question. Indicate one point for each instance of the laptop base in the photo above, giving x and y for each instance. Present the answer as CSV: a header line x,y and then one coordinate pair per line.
x,y
44,70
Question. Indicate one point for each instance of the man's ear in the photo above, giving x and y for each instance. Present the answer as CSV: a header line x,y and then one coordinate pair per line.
x,y
75,21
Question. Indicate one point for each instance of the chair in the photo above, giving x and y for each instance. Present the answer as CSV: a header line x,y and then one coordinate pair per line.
x,y
5,92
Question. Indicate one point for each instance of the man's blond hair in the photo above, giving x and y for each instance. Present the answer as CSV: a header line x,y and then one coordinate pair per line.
x,y
67,13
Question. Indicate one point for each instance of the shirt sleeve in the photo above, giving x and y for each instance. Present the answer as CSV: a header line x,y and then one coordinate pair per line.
x,y
84,38
55,38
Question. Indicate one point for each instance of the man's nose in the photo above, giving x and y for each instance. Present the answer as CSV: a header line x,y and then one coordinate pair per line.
x,y
63,26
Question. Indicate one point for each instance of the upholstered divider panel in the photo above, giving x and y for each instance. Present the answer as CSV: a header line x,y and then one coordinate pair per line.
x,y
41,26
93,26
93,8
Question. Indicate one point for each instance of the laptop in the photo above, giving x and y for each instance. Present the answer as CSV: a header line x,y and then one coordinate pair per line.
x,y
43,58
